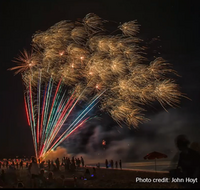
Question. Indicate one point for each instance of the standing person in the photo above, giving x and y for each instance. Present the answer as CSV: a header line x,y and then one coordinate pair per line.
x,y
65,165
6,164
21,164
78,162
73,160
57,164
13,164
82,161
111,163
34,171
106,163
63,161
116,164
42,165
120,164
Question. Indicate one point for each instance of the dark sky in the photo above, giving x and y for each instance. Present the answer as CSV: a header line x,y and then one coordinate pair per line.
x,y
176,22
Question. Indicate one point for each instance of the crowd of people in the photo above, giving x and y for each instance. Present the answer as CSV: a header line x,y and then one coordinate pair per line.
x,y
41,173
110,164
46,173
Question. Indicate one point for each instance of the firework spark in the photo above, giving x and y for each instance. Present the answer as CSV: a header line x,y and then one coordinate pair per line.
x,y
81,60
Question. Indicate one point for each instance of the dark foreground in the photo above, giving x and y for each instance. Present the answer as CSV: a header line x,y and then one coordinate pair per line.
x,y
103,178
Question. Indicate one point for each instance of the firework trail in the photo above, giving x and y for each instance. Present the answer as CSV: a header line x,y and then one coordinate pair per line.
x,y
82,61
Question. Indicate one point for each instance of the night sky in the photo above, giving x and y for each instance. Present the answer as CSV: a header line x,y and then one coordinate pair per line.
x,y
170,28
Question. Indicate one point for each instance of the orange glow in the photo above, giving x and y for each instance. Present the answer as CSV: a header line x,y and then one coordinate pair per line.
x,y
61,53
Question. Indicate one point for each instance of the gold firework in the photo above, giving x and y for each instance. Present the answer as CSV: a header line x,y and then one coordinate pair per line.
x,y
88,59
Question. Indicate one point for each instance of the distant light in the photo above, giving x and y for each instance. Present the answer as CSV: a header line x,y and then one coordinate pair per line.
x,y
61,53
82,58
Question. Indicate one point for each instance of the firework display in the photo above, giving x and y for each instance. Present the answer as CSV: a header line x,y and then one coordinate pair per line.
x,y
81,61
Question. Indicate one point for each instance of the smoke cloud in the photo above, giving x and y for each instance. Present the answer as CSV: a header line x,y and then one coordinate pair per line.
x,y
60,152
129,145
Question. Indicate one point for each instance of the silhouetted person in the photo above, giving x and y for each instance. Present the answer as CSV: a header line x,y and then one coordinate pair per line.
x,y
21,164
42,165
111,163
116,164
13,164
106,163
189,160
73,160
78,162
57,164
120,164
82,161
